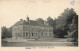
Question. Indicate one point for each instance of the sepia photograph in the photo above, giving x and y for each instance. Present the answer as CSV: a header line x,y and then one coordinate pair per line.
x,y
34,23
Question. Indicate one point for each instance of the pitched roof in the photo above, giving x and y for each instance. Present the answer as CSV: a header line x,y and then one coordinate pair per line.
x,y
32,22
21,22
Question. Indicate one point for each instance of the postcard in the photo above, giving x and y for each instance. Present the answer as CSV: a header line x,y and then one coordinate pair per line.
x,y
39,25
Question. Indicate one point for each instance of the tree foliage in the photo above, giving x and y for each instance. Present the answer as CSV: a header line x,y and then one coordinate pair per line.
x,y
6,33
66,21
40,21
50,21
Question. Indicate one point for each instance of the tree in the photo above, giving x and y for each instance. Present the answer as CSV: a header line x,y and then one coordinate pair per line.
x,y
40,21
74,33
6,33
64,21
50,21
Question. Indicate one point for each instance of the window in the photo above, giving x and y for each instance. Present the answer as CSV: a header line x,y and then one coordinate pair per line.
x,y
42,34
50,34
50,30
26,34
32,34
36,33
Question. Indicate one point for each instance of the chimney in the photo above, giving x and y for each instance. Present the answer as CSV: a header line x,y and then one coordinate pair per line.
x,y
28,19
21,19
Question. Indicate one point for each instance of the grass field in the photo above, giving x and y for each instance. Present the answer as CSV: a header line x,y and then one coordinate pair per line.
x,y
40,42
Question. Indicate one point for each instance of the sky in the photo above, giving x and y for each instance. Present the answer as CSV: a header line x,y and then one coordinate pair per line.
x,y
12,11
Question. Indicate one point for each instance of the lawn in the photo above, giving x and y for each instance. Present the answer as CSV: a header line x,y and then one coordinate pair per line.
x,y
40,42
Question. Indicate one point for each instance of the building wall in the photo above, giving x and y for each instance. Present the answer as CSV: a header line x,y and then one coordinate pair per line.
x,y
17,31
28,31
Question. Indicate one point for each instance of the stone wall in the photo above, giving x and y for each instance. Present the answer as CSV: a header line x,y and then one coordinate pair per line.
x,y
28,31
17,31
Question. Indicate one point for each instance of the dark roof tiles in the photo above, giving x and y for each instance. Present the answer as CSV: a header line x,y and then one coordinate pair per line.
x,y
32,22
21,22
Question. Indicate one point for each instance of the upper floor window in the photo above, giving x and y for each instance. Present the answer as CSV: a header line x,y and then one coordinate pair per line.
x,y
42,34
50,29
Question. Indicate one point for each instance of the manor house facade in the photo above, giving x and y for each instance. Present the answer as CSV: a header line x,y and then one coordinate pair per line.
x,y
31,29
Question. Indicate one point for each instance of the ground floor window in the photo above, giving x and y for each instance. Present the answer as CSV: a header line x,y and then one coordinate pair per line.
x,y
23,34
26,34
36,33
32,34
